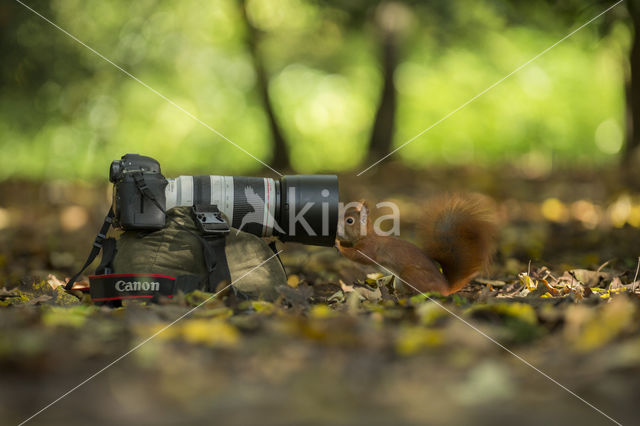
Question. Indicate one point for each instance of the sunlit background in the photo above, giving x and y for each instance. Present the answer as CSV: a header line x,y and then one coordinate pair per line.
x,y
310,86
66,113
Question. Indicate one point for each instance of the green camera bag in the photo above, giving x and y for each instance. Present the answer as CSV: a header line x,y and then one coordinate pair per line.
x,y
177,251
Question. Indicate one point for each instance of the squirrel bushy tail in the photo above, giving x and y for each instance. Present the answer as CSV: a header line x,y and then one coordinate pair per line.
x,y
459,231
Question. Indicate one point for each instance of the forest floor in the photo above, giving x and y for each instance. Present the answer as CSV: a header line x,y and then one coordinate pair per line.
x,y
549,335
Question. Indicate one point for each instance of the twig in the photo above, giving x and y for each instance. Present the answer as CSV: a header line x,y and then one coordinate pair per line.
x,y
636,276
603,265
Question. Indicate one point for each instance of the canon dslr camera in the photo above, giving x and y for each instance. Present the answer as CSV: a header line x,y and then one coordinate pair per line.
x,y
300,208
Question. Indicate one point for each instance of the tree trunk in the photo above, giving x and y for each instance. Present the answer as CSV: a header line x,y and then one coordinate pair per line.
x,y
632,88
382,133
280,158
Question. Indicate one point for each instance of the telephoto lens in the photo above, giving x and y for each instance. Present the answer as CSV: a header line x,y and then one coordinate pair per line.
x,y
299,208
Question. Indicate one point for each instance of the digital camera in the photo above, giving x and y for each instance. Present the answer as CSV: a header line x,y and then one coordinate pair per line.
x,y
299,208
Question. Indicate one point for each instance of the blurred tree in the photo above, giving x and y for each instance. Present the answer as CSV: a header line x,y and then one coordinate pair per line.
x,y
390,25
280,156
391,22
632,87
31,59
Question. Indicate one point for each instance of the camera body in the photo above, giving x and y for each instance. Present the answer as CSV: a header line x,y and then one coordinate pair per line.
x,y
137,182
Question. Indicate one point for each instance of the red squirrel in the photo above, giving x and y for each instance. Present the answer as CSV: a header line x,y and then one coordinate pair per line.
x,y
457,231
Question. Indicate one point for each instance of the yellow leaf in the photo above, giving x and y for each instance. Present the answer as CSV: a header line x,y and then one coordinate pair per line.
x,y
413,339
293,281
212,333
430,313
521,311
321,311
530,283
262,307
588,330
70,317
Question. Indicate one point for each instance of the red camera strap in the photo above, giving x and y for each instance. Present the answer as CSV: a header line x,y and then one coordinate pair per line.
x,y
110,287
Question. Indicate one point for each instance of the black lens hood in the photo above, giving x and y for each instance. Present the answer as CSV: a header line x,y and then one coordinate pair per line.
x,y
309,209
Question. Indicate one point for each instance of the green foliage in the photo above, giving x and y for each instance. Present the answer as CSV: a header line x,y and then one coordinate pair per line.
x,y
553,109
66,112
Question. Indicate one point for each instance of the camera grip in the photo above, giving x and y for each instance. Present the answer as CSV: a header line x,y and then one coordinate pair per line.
x,y
134,210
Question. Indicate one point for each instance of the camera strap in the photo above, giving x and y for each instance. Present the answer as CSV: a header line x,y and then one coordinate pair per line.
x,y
138,178
112,288
95,250
213,230
109,250
108,221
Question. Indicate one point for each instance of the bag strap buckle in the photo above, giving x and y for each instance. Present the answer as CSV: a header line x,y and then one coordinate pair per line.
x,y
209,220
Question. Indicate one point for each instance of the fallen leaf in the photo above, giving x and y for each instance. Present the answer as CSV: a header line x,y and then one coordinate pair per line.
x,y
54,282
588,329
345,288
589,278
493,283
413,339
337,297
527,281
215,333
293,281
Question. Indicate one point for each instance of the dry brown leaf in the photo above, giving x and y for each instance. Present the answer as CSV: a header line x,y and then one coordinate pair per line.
x,y
54,282
589,278
345,288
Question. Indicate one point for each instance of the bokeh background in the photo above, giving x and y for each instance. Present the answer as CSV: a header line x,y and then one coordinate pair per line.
x,y
312,85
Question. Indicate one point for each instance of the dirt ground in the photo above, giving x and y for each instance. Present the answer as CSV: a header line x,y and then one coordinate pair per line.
x,y
549,335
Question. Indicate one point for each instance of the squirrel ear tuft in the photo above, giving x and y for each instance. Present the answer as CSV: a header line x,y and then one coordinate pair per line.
x,y
364,206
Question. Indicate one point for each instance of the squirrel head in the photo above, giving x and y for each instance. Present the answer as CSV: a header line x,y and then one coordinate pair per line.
x,y
354,223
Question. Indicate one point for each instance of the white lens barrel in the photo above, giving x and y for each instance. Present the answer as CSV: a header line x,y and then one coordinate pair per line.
x,y
179,192
248,203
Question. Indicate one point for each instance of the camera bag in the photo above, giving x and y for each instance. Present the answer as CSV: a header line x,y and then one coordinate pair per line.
x,y
181,258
